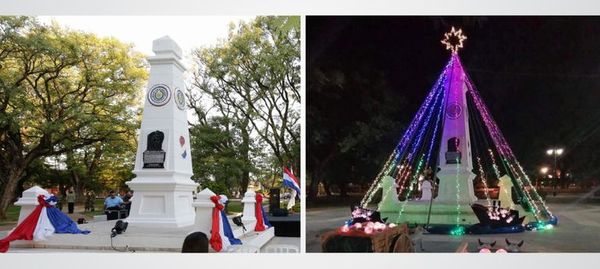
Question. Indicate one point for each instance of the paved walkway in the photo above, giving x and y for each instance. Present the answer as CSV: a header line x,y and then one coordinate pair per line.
x,y
578,229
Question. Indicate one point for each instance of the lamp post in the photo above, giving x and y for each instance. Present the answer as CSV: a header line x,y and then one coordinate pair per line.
x,y
543,171
555,152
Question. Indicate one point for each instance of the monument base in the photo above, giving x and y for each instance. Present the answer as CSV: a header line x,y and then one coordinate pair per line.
x,y
162,203
416,212
141,238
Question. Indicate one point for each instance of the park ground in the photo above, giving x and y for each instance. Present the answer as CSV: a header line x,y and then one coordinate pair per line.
x,y
578,229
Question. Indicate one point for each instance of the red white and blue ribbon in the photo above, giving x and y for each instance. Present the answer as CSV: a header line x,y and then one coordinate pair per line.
x,y
45,220
221,235
262,222
290,180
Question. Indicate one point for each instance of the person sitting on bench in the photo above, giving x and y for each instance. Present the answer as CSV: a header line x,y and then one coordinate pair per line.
x,y
112,203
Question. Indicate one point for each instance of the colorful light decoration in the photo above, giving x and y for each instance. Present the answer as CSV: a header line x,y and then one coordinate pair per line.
x,y
458,231
414,150
484,180
454,40
400,149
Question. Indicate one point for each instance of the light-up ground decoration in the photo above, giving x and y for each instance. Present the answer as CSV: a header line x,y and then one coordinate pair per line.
x,y
454,131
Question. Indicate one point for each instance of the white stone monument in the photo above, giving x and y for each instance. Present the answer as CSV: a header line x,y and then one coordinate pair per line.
x,y
505,192
456,193
248,214
163,165
455,151
204,208
28,201
426,190
389,197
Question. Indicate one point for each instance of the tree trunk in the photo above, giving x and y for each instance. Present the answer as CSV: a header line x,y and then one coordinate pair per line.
x,y
8,194
327,187
313,187
78,186
319,166
343,189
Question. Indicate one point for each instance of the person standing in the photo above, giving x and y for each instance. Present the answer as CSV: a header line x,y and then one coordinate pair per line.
x,y
127,201
89,201
71,200
59,198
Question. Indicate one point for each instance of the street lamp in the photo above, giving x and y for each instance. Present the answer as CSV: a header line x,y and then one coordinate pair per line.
x,y
543,171
555,152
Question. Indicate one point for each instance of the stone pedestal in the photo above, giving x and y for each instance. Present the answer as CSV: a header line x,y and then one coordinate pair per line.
x,y
204,207
28,201
456,187
505,192
389,197
163,166
249,202
426,190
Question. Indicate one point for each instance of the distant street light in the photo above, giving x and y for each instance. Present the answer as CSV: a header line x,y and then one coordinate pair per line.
x,y
555,152
543,171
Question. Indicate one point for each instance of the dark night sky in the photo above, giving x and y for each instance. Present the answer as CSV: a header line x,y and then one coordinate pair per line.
x,y
540,76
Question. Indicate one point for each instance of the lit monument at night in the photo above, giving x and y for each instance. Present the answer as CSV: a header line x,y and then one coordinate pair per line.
x,y
451,143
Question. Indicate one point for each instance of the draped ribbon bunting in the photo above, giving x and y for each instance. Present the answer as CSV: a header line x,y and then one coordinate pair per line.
x,y
216,242
24,231
262,223
260,226
45,220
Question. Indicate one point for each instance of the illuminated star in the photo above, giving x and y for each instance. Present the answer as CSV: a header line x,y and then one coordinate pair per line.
x,y
454,40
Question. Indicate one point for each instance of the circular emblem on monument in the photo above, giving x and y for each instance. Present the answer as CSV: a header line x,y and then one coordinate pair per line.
x,y
453,110
159,95
180,99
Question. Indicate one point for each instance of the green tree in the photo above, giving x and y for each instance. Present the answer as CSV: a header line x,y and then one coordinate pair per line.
x,y
61,91
352,111
105,164
251,81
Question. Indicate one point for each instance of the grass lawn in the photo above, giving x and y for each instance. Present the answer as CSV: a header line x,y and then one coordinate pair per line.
x,y
98,206
235,207
12,215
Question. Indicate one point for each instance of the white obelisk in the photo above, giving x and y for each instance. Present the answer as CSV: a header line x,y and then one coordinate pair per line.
x,y
456,176
163,165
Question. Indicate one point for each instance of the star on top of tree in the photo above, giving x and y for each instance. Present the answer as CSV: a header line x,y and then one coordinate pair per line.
x,y
454,40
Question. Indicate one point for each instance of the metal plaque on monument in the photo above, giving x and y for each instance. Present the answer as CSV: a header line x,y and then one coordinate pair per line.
x,y
154,156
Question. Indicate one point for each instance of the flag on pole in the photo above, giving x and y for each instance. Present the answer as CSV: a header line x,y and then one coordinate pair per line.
x,y
290,181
